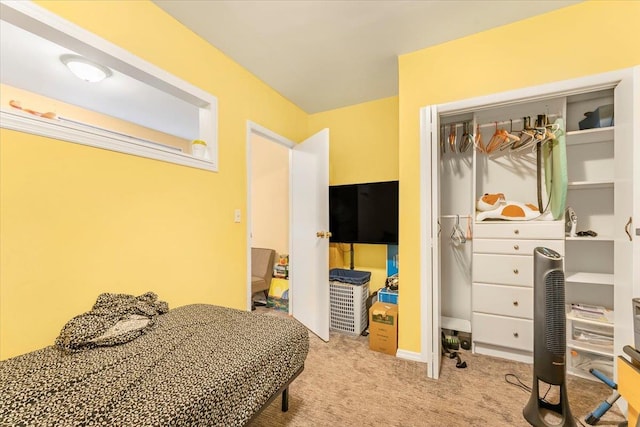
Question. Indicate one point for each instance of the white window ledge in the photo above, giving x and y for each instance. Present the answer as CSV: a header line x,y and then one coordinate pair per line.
x,y
99,138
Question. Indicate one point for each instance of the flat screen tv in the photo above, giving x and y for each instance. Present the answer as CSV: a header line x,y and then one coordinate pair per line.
x,y
364,213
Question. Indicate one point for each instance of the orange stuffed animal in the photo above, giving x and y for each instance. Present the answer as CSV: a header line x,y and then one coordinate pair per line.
x,y
495,206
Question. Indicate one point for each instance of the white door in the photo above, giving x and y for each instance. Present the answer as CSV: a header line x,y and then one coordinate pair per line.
x,y
309,249
430,275
625,137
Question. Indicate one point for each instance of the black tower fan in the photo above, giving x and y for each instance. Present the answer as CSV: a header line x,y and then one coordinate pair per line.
x,y
549,391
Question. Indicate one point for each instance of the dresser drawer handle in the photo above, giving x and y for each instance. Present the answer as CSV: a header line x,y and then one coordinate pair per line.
x,y
515,335
515,271
516,231
515,303
516,247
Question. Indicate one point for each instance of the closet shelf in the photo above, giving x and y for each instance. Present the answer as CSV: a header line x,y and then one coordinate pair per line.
x,y
589,136
591,278
461,325
589,239
580,185
602,321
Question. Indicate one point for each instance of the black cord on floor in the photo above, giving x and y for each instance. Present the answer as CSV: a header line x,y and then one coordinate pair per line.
x,y
523,386
517,382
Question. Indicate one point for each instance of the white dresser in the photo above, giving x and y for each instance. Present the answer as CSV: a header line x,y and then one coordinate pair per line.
x,y
502,288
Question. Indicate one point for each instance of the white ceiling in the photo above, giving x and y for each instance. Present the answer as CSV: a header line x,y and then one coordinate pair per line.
x,y
323,54
319,54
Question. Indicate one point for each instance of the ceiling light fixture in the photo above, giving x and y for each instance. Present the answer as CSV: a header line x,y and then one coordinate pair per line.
x,y
85,69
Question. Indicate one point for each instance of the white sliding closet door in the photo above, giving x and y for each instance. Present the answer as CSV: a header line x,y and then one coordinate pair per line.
x,y
627,109
430,247
447,185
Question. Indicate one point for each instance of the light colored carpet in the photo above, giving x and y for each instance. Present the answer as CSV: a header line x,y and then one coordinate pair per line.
x,y
346,384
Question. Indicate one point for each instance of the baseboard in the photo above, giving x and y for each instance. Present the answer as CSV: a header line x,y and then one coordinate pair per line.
x,y
410,355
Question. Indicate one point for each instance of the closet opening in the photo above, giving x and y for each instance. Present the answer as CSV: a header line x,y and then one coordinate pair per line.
x,y
506,173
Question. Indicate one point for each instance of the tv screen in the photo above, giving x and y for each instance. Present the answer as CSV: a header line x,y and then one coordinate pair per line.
x,y
364,213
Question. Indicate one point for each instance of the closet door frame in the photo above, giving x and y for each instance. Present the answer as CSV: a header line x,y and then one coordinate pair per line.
x,y
429,118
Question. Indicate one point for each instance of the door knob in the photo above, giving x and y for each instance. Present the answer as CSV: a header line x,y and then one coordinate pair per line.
x,y
323,234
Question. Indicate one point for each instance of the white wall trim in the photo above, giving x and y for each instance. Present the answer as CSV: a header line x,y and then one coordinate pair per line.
x,y
410,355
37,20
256,129
269,134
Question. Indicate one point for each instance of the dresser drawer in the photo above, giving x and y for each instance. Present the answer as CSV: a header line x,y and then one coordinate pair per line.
x,y
503,269
503,331
515,246
511,301
536,230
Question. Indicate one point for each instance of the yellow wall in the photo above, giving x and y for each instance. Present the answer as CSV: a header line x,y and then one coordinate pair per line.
x,y
76,221
363,148
588,38
364,141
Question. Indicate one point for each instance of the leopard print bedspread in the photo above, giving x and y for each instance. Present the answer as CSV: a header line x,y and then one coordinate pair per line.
x,y
202,365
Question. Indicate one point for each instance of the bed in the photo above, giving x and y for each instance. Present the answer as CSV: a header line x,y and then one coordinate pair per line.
x,y
199,365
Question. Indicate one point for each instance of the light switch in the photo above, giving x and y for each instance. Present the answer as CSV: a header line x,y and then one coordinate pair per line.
x,y
236,215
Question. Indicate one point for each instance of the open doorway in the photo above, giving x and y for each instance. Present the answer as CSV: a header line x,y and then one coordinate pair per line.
x,y
308,218
268,222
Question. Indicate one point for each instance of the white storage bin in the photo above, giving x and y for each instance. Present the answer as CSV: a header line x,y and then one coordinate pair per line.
x,y
600,336
580,361
348,307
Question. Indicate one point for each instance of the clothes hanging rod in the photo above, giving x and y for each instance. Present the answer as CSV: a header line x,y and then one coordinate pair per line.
x,y
456,216
506,122
500,123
